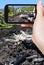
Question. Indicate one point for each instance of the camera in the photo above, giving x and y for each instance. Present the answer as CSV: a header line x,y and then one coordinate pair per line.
x,y
20,13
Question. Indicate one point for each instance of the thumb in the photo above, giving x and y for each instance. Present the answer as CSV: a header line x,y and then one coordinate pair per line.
x,y
39,9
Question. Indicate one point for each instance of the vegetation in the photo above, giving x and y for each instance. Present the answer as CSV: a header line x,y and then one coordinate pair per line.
x,y
13,11
3,24
27,9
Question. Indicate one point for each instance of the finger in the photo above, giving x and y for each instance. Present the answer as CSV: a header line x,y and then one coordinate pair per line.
x,y
43,11
39,9
26,25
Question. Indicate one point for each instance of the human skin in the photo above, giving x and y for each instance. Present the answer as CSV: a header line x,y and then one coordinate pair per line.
x,y
38,28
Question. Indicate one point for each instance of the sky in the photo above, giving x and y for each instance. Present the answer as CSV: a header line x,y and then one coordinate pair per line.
x,y
4,2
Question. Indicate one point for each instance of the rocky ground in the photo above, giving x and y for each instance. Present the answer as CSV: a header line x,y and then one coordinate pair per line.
x,y
22,53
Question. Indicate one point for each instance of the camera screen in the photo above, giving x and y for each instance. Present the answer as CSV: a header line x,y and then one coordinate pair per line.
x,y
21,14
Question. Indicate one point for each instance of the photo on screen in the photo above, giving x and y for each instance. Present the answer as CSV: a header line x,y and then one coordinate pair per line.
x,y
21,14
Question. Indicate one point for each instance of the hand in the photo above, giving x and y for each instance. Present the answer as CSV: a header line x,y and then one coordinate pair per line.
x,y
38,28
